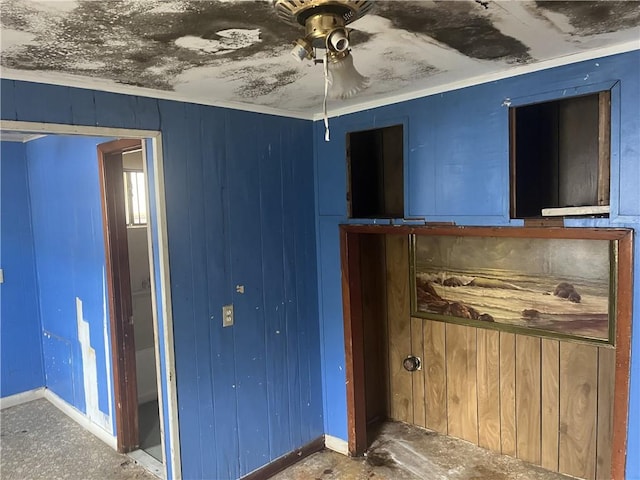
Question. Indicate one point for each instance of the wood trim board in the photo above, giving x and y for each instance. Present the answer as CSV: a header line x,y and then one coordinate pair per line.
x,y
119,291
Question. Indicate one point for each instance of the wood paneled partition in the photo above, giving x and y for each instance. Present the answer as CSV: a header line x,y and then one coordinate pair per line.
x,y
547,402
551,402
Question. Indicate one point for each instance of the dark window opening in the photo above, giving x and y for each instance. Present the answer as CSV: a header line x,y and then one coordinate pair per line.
x,y
375,160
560,154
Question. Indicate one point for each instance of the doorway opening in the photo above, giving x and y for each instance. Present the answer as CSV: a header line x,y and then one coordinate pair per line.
x,y
119,375
129,267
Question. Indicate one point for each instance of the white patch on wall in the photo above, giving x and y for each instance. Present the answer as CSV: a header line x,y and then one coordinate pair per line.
x,y
89,372
107,344
231,39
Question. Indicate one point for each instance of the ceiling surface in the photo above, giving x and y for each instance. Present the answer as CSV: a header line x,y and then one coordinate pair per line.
x,y
237,53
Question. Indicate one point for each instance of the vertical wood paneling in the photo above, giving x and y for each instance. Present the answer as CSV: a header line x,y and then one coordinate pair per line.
x,y
488,350
47,103
178,216
195,190
246,264
550,403
272,228
393,170
508,393
373,280
400,386
222,354
83,109
606,384
147,118
293,323
417,377
8,99
298,147
115,110
434,366
462,399
578,409
528,441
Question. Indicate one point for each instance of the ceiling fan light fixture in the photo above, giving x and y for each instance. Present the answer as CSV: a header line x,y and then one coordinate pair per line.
x,y
338,40
303,50
324,21
344,79
325,24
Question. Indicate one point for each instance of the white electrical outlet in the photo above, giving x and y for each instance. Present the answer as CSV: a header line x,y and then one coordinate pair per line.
x,y
1,275
227,315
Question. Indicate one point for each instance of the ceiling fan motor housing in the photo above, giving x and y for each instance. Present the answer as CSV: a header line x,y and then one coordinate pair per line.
x,y
296,12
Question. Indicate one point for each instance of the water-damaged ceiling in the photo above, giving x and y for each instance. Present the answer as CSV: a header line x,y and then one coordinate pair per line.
x,y
238,52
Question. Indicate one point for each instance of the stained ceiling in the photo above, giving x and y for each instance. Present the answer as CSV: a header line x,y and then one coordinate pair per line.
x,y
237,53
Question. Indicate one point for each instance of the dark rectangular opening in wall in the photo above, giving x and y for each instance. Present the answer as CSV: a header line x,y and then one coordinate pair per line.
x,y
375,161
560,153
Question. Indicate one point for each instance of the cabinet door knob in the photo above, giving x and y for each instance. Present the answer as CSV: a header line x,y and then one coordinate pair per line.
x,y
411,363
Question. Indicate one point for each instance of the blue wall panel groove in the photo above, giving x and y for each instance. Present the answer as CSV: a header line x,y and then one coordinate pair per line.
x,y
83,108
306,288
236,414
458,170
292,321
45,103
201,288
8,100
20,330
222,353
182,289
274,296
246,255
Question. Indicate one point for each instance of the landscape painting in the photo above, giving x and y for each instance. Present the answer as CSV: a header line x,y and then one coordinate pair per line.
x,y
555,285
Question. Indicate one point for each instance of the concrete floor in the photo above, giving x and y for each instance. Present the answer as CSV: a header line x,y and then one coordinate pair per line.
x,y
404,452
37,441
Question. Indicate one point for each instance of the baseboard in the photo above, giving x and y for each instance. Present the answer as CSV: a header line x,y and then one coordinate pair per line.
x,y
20,398
336,444
79,417
286,460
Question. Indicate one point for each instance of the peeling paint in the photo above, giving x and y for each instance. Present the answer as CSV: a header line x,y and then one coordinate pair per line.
x,y
89,372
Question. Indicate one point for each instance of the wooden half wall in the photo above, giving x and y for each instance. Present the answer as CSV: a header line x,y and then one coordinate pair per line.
x,y
546,401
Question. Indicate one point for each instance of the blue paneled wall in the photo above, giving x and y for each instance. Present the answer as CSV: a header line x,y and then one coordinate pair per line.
x,y
239,194
20,348
457,169
70,258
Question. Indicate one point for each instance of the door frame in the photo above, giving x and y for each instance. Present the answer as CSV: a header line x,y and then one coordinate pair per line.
x,y
160,285
354,327
123,350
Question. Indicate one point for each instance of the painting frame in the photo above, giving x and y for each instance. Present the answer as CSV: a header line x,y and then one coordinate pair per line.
x,y
445,308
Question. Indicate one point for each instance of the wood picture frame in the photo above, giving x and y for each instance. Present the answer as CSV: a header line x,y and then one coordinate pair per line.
x,y
556,287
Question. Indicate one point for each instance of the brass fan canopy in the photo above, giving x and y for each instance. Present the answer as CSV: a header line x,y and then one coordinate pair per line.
x,y
296,12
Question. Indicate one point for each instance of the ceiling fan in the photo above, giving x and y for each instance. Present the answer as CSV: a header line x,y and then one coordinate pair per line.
x,y
325,24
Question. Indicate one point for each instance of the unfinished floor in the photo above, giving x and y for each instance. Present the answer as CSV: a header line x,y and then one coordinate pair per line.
x,y
404,452
38,441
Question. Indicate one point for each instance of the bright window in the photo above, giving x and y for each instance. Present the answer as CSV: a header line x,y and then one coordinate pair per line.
x,y
135,199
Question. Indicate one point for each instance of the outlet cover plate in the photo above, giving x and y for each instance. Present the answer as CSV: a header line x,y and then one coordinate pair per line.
x,y
227,315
